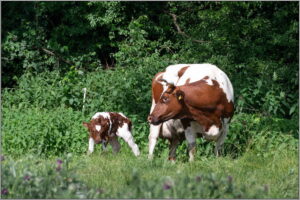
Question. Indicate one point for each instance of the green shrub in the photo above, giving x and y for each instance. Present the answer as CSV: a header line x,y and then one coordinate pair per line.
x,y
42,131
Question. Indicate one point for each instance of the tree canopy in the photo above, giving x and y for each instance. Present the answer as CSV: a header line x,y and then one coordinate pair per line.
x,y
255,43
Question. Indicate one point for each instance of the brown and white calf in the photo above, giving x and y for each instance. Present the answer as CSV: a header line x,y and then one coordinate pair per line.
x,y
200,96
107,127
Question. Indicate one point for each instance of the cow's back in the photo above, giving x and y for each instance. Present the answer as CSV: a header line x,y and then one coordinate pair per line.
x,y
196,72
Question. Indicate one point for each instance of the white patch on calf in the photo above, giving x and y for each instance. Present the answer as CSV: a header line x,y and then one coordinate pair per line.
x,y
124,133
91,145
98,127
105,115
122,115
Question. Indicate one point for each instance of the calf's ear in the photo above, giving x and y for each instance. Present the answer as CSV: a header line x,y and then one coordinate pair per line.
x,y
85,124
180,95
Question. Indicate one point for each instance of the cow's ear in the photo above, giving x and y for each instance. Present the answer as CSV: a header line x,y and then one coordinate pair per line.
x,y
85,124
180,95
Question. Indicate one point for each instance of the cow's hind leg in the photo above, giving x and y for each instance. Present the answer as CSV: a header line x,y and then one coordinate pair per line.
x,y
124,133
191,140
220,140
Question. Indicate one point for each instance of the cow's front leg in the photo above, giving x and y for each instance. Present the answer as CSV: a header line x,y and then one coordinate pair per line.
x,y
154,133
191,140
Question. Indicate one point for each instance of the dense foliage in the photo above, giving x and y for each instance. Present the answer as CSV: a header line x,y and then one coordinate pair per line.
x,y
255,43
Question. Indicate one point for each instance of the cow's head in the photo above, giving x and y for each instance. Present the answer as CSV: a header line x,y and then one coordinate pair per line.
x,y
96,131
169,106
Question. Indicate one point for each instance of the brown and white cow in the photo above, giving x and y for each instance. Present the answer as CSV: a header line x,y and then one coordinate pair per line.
x,y
200,96
107,127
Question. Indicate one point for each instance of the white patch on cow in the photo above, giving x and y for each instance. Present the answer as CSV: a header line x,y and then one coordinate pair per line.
x,y
152,106
213,133
98,127
209,81
91,145
220,140
225,85
124,133
171,74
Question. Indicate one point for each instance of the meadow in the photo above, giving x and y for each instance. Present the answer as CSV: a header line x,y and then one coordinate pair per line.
x,y
45,157
52,52
266,168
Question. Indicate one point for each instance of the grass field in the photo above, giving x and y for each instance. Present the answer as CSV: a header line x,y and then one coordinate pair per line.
x,y
108,175
260,160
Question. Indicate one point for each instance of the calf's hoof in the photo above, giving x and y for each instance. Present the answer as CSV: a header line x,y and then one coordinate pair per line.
x,y
150,157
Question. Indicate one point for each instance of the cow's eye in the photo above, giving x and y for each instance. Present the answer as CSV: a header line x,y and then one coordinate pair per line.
x,y
165,99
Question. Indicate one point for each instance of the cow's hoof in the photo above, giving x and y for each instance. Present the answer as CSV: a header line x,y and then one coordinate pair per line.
x,y
172,160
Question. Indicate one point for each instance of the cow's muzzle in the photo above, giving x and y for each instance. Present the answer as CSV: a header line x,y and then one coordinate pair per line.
x,y
153,120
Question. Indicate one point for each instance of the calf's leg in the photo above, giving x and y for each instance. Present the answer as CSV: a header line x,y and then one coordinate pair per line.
x,y
115,144
124,133
91,146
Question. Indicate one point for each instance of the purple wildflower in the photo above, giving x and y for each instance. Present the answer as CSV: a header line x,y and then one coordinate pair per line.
x,y
167,186
2,158
59,162
198,178
4,191
27,178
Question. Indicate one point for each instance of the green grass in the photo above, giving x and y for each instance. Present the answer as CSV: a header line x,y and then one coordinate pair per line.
x,y
276,173
260,160
272,175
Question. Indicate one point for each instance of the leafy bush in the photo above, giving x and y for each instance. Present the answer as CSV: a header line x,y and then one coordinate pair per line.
x,y
255,43
59,130
42,132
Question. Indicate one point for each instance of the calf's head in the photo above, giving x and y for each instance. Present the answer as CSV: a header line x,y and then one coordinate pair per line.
x,y
97,130
169,106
